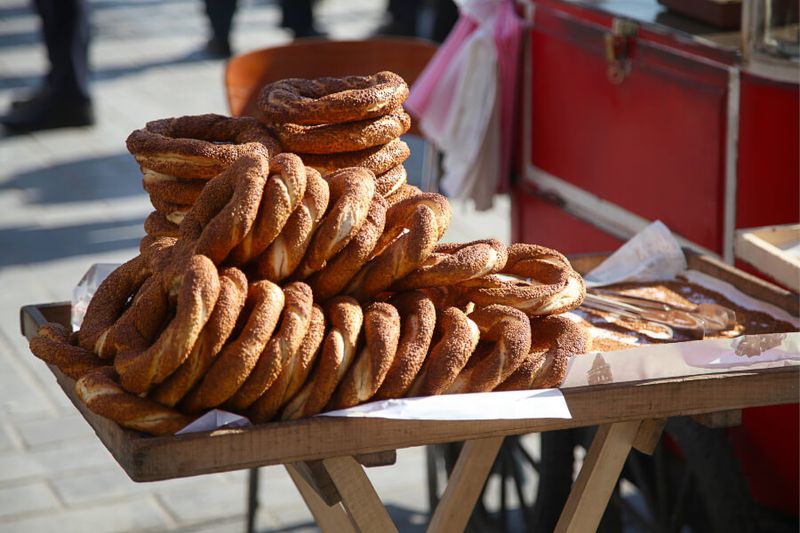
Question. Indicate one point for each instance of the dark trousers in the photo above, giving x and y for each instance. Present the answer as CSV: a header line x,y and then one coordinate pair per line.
x,y
296,14
65,24
220,16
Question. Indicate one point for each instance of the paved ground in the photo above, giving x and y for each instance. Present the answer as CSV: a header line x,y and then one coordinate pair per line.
x,y
70,198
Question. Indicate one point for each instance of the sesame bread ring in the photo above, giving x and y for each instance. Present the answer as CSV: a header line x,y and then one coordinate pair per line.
x,y
351,192
294,373
543,282
197,292
366,374
232,366
283,345
286,252
220,325
283,193
345,318
52,345
102,394
455,339
452,263
169,209
226,209
110,300
189,147
554,339
331,100
342,137
378,159
184,192
413,227
390,181
510,331
339,270
418,321
403,192
157,225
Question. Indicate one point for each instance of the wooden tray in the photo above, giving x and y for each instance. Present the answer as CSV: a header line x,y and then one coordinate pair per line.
x,y
155,458
764,248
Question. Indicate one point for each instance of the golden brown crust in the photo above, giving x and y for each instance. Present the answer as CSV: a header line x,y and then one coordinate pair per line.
x,y
187,147
378,159
227,208
345,318
418,321
510,331
453,263
413,227
220,325
456,339
554,339
390,181
183,192
331,100
232,366
197,289
351,191
403,192
283,193
339,270
104,396
283,345
157,225
366,374
52,345
554,287
342,137
294,373
110,299
171,211
286,252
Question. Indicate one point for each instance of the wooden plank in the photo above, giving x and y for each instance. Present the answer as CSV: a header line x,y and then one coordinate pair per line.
x,y
358,495
465,485
761,247
598,476
721,419
156,458
316,476
383,458
649,434
330,519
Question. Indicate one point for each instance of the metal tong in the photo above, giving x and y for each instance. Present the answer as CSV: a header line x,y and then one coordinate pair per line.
x,y
695,321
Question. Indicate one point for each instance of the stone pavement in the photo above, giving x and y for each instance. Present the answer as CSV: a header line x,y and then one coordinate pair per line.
x,y
72,197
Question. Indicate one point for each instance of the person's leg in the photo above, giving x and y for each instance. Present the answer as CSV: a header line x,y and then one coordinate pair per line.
x,y
298,16
220,17
65,99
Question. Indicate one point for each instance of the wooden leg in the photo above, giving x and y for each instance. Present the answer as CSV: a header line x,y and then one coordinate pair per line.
x,y
358,495
465,485
329,518
252,499
598,477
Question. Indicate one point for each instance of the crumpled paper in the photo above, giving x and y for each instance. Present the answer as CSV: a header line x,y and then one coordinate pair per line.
x,y
215,419
653,254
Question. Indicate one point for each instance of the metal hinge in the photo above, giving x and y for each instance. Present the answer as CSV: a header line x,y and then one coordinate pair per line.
x,y
620,43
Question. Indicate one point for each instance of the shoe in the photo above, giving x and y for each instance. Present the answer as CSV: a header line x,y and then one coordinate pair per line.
x,y
32,98
50,113
218,48
396,28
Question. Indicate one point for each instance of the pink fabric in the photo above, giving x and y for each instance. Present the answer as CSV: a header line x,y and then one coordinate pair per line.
x,y
507,31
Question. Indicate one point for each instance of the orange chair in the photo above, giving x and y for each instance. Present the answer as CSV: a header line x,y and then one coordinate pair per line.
x,y
245,74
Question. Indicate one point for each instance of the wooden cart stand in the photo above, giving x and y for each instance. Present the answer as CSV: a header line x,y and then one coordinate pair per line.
x,y
325,457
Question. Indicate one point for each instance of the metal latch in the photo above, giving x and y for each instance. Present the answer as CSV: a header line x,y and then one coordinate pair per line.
x,y
619,48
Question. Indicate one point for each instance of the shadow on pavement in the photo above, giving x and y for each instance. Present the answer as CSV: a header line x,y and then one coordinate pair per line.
x,y
106,177
406,520
28,244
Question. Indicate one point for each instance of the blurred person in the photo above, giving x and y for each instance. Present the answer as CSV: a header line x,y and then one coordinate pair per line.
x,y
404,16
64,99
296,15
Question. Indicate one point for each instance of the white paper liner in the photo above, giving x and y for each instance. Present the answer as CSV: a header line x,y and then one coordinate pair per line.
x,y
506,405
